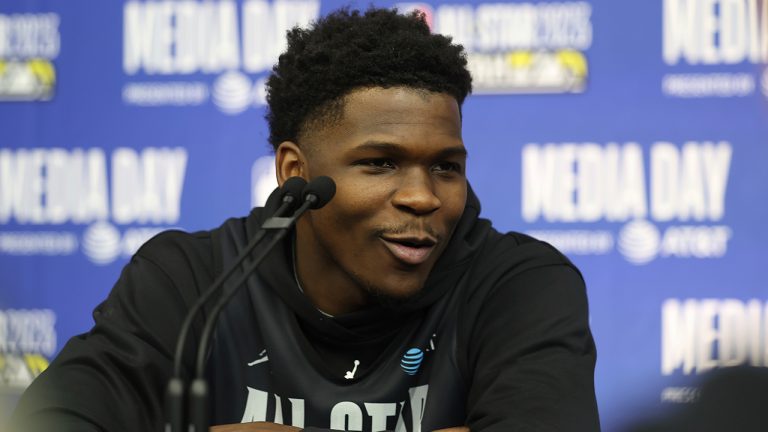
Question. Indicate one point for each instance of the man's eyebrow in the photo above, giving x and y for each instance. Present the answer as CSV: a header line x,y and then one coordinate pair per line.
x,y
389,147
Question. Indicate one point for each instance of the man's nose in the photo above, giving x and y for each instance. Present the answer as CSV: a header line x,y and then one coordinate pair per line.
x,y
416,193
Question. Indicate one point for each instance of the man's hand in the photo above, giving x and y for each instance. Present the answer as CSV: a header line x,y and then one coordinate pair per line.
x,y
267,427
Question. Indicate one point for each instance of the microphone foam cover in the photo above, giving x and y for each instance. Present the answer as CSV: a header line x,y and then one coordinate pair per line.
x,y
323,188
293,187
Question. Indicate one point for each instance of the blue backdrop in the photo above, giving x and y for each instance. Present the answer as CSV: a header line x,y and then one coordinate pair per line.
x,y
632,135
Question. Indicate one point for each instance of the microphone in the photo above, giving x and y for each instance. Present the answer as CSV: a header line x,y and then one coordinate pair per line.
x,y
316,194
290,196
319,192
290,193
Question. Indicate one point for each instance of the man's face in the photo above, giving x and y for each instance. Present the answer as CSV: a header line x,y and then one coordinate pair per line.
x,y
399,164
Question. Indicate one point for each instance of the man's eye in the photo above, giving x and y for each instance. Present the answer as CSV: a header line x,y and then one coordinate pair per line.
x,y
447,167
378,163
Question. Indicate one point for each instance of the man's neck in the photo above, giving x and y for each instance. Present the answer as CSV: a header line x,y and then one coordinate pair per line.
x,y
329,289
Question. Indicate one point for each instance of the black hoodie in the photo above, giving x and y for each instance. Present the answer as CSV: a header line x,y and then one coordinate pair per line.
x,y
498,339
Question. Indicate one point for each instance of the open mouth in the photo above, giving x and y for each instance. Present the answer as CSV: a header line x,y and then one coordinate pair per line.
x,y
410,250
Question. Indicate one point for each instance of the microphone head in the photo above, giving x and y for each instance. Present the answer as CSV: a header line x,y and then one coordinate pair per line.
x,y
293,187
320,189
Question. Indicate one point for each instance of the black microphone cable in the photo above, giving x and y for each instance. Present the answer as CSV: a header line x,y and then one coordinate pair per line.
x,y
175,401
316,194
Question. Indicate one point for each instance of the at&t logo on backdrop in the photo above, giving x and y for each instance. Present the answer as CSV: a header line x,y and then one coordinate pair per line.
x,y
56,200
702,334
213,52
698,335
718,38
669,203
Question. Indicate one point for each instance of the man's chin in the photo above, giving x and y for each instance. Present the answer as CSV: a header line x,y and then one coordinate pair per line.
x,y
391,292
391,299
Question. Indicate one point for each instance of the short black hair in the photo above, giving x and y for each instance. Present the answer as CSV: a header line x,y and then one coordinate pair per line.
x,y
348,50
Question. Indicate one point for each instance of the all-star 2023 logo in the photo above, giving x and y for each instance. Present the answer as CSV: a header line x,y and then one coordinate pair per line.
x,y
29,44
532,47
27,343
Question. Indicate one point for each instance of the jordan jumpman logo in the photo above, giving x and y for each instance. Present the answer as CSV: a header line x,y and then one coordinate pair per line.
x,y
351,374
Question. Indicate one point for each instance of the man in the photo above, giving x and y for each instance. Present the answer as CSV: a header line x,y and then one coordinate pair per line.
x,y
394,307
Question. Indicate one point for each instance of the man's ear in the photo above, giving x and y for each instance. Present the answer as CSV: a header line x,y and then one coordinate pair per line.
x,y
290,162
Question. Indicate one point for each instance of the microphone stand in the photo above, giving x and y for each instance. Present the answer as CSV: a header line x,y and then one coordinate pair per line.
x,y
175,393
198,402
